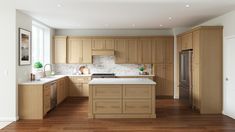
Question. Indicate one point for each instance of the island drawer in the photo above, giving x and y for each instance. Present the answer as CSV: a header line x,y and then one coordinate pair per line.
x,y
137,91
137,106
107,91
107,106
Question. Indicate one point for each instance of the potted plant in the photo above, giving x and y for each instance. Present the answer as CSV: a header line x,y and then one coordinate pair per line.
x,y
141,69
38,66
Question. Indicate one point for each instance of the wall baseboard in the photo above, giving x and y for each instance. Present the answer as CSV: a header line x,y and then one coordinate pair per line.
x,y
3,119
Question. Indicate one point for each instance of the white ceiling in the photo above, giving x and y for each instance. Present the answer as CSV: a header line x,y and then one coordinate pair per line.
x,y
123,14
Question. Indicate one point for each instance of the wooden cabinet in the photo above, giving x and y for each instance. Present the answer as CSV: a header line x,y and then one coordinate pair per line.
x,y
164,67
206,67
79,50
46,98
146,50
62,90
187,41
121,51
103,44
132,51
59,49
122,101
78,86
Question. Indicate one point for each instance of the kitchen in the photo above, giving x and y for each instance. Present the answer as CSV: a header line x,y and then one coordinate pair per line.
x,y
86,74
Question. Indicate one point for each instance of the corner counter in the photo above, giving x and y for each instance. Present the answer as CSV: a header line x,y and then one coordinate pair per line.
x,y
122,98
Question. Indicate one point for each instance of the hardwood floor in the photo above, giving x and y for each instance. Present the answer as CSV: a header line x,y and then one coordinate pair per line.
x,y
172,116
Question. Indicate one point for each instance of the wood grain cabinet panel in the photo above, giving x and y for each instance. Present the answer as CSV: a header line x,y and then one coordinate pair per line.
x,y
187,41
109,44
132,51
146,46
107,106
78,86
159,47
121,51
74,50
60,48
169,51
98,44
137,106
86,51
137,91
107,91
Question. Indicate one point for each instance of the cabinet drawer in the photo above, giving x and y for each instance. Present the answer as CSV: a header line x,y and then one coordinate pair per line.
x,y
107,106
107,91
77,79
137,106
137,91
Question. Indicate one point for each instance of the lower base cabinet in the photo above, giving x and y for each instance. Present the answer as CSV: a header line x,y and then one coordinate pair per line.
x,y
122,101
78,86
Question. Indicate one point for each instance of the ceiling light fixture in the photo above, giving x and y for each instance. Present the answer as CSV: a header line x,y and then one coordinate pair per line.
x,y
59,5
170,18
160,25
133,25
187,5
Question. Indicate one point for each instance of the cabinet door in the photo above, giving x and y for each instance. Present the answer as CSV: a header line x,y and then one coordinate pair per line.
x,y
75,90
169,80
86,51
146,50
179,44
187,41
110,106
132,51
169,57
85,90
161,50
46,98
137,106
160,79
121,51
109,44
196,44
98,44
60,49
74,50
196,92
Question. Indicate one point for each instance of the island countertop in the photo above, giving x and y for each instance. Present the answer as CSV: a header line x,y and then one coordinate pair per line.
x,y
121,81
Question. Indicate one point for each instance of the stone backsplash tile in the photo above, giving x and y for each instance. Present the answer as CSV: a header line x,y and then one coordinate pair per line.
x,y
102,64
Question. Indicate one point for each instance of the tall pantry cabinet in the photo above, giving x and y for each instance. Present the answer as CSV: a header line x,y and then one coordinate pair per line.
x,y
207,69
163,57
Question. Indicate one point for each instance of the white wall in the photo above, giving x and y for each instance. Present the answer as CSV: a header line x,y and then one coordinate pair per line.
x,y
22,21
8,109
113,32
228,22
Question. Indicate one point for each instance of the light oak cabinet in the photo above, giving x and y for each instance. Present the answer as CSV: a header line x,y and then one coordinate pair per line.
x,y
187,41
79,50
122,101
121,51
46,98
59,49
207,68
78,86
145,50
164,66
62,90
103,44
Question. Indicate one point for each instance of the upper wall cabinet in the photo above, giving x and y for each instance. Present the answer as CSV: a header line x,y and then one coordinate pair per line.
x,y
158,50
103,44
59,49
187,41
121,51
132,51
146,50
79,50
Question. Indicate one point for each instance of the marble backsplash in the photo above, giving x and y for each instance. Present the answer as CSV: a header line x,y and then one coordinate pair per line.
x,y
103,64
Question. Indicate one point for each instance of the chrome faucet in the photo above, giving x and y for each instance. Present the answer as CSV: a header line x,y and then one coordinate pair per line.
x,y
44,69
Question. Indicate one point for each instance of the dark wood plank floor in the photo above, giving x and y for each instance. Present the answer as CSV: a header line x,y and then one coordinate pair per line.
x,y
172,116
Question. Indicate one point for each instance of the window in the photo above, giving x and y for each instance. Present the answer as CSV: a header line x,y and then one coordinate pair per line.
x,y
40,43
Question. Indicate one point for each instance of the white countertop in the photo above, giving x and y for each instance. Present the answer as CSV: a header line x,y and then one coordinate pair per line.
x,y
43,80
121,81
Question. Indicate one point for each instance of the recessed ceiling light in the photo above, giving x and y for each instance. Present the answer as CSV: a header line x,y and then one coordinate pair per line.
x,y
187,5
160,25
59,5
170,18
133,25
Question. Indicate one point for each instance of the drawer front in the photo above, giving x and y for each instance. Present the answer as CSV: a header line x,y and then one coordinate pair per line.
x,y
107,106
137,91
137,106
107,91
77,79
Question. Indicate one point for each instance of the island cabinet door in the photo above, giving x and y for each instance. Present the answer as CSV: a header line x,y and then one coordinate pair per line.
x,y
110,106
137,106
137,91
107,91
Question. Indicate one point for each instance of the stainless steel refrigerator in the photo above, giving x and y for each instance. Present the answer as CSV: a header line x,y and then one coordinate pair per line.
x,y
185,76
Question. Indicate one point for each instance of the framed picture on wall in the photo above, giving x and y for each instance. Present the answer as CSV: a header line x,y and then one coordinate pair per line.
x,y
24,47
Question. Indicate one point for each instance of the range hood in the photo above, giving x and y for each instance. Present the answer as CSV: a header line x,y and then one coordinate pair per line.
x,y
103,52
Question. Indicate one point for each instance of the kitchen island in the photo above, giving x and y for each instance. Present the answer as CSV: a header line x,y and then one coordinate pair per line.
x,y
122,98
